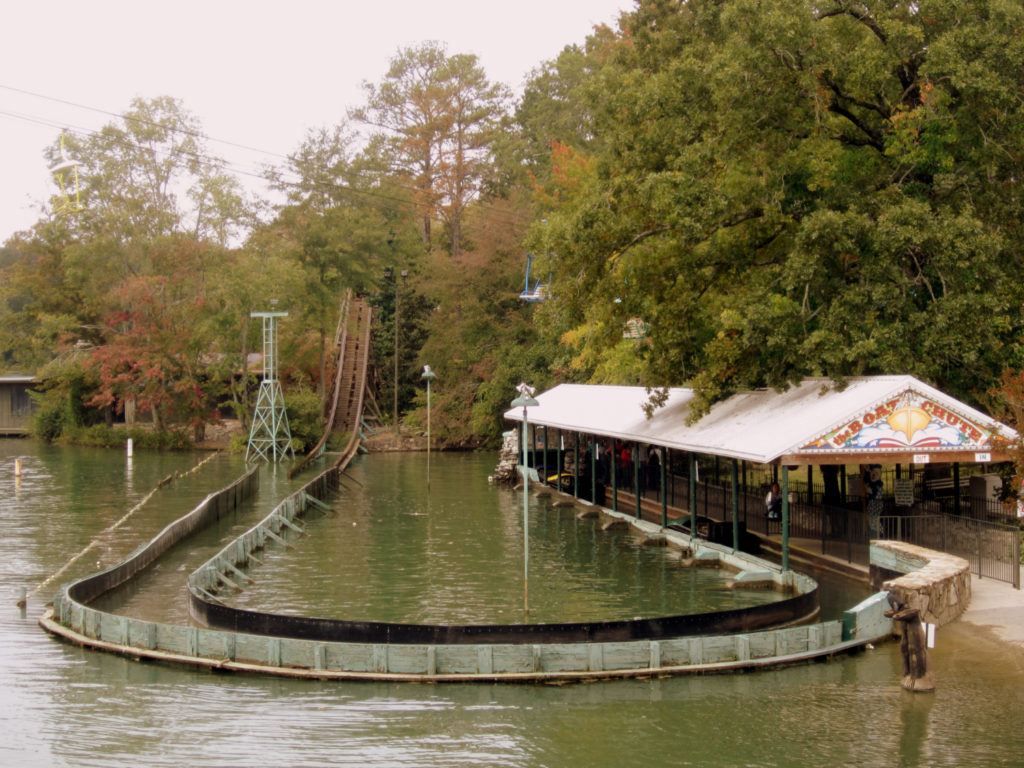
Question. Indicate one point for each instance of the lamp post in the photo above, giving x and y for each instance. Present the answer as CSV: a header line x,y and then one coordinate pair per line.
x,y
525,400
428,375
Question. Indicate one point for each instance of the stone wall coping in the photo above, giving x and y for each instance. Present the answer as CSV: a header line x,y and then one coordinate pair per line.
x,y
932,565
937,583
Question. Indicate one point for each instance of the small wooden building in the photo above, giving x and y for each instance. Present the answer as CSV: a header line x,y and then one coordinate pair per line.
x,y
15,404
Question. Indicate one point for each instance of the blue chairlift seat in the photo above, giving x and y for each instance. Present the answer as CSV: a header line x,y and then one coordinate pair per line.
x,y
539,292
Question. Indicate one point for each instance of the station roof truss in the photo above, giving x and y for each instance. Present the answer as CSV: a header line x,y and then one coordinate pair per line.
x,y
867,420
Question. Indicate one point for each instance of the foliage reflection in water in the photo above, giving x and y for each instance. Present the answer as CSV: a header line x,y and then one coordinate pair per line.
x,y
393,552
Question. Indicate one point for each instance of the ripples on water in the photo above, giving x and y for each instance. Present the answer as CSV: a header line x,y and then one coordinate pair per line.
x,y
64,706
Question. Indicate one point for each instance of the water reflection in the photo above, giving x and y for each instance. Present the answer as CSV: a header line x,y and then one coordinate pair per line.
x,y
388,552
61,705
914,718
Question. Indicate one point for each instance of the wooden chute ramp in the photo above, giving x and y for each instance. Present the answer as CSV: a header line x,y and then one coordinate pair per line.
x,y
352,340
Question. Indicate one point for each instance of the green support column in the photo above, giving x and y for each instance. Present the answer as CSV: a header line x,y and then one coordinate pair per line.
x,y
956,488
745,489
636,478
735,506
613,466
593,470
544,461
576,465
693,495
664,495
785,518
559,461
530,440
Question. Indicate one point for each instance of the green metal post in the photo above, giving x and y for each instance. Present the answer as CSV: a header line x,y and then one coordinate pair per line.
x,y
785,518
735,505
636,477
956,488
576,465
559,459
614,466
544,461
522,442
525,400
593,470
693,495
746,495
664,496
428,434
526,528
428,375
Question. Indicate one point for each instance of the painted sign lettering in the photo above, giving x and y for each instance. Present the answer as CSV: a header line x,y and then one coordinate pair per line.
x,y
909,421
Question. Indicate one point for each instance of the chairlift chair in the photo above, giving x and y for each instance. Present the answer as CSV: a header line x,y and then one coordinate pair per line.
x,y
539,291
65,165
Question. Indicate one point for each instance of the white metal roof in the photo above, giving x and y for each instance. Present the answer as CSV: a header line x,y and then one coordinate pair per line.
x,y
871,415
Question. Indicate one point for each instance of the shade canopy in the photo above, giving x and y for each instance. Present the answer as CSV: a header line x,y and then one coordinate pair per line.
x,y
870,419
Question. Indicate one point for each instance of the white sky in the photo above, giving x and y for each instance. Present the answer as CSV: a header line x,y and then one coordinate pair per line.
x,y
254,72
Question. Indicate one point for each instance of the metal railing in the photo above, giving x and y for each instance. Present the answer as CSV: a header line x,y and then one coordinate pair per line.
x,y
844,532
992,549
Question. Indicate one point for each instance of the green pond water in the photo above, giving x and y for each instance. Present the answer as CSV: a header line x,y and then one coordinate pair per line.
x,y
390,551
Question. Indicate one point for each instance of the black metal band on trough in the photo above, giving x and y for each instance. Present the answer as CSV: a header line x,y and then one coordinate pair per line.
x,y
787,611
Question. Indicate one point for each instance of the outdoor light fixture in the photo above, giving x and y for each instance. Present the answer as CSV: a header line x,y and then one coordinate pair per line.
x,y
525,400
428,375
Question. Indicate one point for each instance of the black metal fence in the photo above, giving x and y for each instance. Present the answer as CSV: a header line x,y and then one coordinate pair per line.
x,y
845,531
826,512
992,549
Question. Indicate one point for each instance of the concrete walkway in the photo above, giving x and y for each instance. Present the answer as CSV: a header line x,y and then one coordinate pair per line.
x,y
998,606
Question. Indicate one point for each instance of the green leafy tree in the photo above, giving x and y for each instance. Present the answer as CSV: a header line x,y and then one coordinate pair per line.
x,y
340,227
481,340
790,189
149,175
433,119
131,288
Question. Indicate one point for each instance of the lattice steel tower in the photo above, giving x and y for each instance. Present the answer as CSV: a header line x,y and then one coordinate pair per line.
x,y
269,438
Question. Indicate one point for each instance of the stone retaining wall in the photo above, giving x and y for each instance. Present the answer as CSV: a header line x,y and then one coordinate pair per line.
x,y
936,583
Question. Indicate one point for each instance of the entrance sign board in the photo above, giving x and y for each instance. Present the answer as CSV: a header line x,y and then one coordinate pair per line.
x,y
910,421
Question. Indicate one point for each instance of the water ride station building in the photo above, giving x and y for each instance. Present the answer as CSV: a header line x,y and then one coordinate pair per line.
x,y
878,457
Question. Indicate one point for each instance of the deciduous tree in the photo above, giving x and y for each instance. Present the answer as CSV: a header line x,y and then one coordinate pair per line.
x,y
787,189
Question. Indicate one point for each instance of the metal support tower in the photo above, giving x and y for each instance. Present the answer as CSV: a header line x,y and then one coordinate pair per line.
x,y
269,438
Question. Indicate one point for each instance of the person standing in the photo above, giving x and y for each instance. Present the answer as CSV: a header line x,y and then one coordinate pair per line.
x,y
773,502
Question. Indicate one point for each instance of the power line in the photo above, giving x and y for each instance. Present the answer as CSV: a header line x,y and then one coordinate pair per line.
x,y
187,131
511,218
